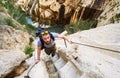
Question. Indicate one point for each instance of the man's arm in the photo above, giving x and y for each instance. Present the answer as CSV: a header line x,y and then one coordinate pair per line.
x,y
38,54
64,37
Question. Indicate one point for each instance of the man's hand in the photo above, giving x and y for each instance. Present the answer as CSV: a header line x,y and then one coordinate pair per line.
x,y
70,41
37,61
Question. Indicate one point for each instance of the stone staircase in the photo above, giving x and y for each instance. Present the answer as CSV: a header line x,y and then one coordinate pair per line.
x,y
61,66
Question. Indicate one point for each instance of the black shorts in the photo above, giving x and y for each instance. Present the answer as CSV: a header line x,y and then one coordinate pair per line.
x,y
51,50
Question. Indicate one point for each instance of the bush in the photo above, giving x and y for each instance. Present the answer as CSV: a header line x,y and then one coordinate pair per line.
x,y
80,25
103,17
9,22
28,50
112,20
115,18
15,12
30,29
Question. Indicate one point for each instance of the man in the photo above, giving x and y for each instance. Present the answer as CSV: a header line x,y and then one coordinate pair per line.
x,y
46,42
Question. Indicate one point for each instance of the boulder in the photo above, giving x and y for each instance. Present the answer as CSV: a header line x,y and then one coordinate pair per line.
x,y
24,4
46,4
55,7
9,59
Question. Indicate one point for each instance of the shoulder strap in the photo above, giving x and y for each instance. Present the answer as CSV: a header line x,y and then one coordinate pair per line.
x,y
42,43
52,37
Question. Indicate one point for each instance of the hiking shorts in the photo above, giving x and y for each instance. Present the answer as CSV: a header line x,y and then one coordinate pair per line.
x,y
51,50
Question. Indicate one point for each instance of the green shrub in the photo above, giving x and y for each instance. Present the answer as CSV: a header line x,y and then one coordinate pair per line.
x,y
15,12
80,25
10,22
112,20
117,15
30,29
28,50
115,18
2,21
103,17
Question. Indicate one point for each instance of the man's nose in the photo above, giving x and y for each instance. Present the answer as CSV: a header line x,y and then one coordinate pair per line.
x,y
47,39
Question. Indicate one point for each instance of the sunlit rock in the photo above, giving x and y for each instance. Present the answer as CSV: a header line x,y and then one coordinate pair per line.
x,y
13,39
9,59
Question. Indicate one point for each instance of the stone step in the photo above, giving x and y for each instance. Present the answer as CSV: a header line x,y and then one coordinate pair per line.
x,y
69,71
59,63
50,67
54,75
55,58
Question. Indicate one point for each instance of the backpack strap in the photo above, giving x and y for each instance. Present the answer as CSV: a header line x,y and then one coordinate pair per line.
x,y
52,37
42,42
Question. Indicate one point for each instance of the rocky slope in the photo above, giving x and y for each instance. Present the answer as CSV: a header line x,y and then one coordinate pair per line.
x,y
111,13
12,44
12,39
78,61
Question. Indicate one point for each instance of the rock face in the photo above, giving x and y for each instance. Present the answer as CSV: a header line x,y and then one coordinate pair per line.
x,y
111,13
9,59
62,11
12,44
106,35
12,39
78,61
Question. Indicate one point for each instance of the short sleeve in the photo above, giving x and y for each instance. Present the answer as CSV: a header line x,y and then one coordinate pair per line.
x,y
55,34
39,43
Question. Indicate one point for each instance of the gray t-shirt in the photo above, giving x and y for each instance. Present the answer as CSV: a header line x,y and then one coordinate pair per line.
x,y
55,35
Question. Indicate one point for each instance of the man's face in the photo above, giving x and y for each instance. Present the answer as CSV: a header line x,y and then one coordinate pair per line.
x,y
46,38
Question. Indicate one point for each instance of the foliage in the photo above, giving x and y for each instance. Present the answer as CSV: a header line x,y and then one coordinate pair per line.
x,y
112,20
117,15
103,17
15,12
9,22
31,29
28,50
115,18
80,25
8,4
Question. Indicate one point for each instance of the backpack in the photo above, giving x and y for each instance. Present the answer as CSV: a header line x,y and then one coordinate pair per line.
x,y
38,31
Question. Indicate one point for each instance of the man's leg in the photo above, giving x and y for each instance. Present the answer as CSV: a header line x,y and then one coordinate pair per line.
x,y
51,50
47,51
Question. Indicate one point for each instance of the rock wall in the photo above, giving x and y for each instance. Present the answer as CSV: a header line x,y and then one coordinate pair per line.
x,y
9,59
12,44
78,61
111,13
62,11
13,39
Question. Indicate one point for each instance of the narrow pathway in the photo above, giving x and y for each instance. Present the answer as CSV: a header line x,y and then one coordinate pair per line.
x,y
51,69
